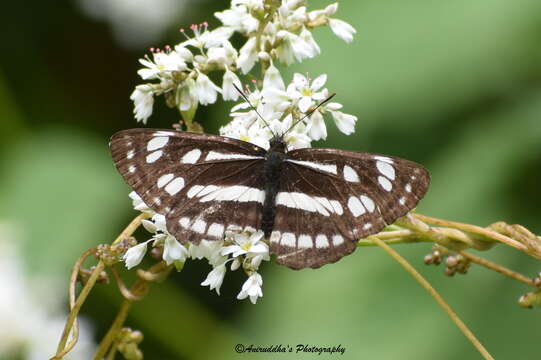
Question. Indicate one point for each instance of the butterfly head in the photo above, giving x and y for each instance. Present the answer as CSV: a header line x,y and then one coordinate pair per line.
x,y
277,144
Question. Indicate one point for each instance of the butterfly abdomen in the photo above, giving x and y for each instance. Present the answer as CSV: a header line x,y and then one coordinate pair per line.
x,y
273,169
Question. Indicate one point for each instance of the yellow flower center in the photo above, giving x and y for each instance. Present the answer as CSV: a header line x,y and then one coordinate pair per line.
x,y
245,138
307,92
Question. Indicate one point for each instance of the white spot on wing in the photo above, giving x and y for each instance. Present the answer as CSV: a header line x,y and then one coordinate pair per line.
x,y
216,230
154,156
288,239
213,155
305,241
199,226
175,186
337,207
384,158
296,200
130,154
337,240
402,201
164,179
132,169
157,143
350,174
322,241
322,167
231,193
164,133
355,206
386,169
368,203
408,187
367,226
385,183
191,156
275,237
194,190
184,222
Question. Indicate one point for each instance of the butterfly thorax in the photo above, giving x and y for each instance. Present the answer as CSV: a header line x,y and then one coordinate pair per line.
x,y
273,168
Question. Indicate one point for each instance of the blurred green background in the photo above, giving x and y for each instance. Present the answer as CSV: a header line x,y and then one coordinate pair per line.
x,y
453,85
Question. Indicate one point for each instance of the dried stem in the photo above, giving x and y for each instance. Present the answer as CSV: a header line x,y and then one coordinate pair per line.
x,y
498,268
425,284
136,293
489,234
75,305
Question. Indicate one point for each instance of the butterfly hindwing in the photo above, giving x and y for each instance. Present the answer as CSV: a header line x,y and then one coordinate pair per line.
x,y
337,197
201,183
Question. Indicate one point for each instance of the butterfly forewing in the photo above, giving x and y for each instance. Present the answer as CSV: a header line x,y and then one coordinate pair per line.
x,y
336,197
201,183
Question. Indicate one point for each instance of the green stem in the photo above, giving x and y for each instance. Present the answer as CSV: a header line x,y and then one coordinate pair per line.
x,y
426,285
113,330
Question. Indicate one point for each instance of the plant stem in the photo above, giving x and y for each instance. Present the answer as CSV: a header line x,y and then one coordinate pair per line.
x,y
477,230
425,284
498,268
135,293
113,330
75,311
76,305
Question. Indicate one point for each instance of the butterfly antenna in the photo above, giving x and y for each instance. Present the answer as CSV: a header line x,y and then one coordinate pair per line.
x,y
309,113
254,109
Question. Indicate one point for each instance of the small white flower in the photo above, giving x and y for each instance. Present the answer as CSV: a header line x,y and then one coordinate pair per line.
x,y
139,205
286,52
312,48
173,251
252,288
188,98
247,55
342,29
143,99
316,127
247,245
207,39
273,79
330,10
235,264
215,278
163,62
205,90
224,55
159,222
239,19
135,254
210,250
228,90
253,133
149,226
307,93
344,122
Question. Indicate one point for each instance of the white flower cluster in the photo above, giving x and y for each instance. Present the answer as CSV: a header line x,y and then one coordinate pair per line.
x,y
291,112
276,31
240,247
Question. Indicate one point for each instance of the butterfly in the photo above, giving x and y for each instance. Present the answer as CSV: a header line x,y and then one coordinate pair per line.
x,y
312,204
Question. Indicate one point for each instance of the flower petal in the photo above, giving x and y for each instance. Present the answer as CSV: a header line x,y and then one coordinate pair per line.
x,y
318,82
